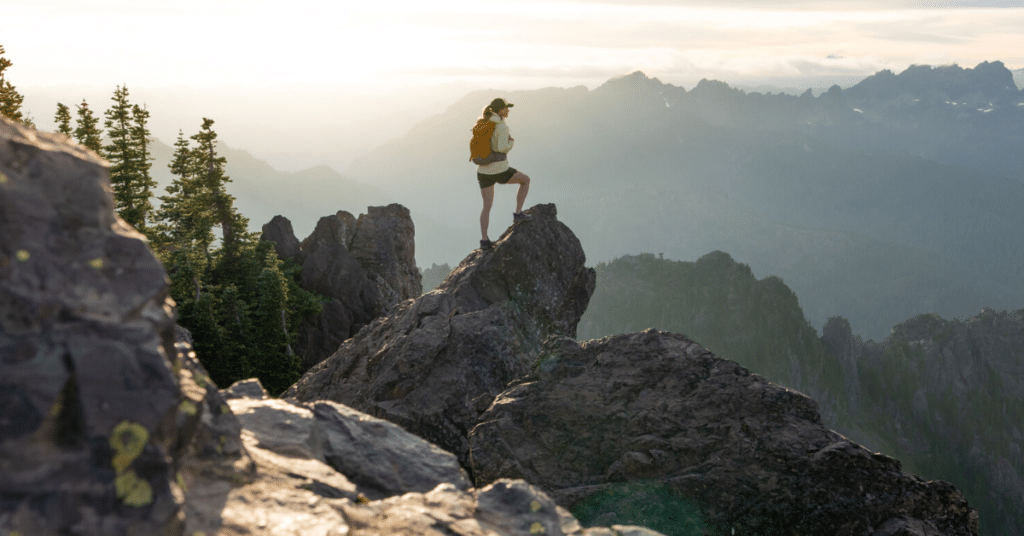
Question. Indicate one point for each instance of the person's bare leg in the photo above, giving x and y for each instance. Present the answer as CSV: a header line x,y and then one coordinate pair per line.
x,y
485,214
523,181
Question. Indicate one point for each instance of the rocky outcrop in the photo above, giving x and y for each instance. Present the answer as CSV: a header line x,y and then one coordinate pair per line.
x,y
100,410
656,406
384,244
109,426
279,231
435,363
323,469
362,266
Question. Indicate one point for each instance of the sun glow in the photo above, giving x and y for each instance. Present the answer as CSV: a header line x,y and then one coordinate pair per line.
x,y
264,42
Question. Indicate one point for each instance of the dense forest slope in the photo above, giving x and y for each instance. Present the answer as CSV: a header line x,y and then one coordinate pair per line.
x,y
943,396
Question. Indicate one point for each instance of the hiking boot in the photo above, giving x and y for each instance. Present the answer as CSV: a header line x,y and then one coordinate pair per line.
x,y
486,244
520,216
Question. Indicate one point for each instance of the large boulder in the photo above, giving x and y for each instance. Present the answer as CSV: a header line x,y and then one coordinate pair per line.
x,y
434,364
363,266
99,407
658,407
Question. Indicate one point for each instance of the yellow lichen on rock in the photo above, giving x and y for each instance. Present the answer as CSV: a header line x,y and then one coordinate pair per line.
x,y
132,490
187,407
128,439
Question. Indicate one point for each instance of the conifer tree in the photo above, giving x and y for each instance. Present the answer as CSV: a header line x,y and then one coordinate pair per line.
x,y
63,119
184,230
10,99
129,168
185,214
86,131
142,137
240,301
210,172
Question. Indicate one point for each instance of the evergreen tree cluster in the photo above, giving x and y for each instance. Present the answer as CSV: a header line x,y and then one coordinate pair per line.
x,y
239,300
10,99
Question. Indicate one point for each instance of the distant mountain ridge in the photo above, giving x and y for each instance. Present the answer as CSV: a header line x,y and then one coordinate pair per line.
x,y
877,202
262,192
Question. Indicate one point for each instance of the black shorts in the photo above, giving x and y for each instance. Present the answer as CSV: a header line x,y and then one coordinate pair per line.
x,y
487,181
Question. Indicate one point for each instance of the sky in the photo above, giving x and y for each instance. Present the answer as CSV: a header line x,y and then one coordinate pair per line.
x,y
510,44
391,63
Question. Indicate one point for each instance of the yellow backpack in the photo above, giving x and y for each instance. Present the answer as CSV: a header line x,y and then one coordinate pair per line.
x,y
480,152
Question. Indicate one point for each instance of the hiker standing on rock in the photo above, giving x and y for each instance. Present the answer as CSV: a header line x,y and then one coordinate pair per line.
x,y
488,149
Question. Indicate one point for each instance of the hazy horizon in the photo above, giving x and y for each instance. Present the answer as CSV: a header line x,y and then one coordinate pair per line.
x,y
307,84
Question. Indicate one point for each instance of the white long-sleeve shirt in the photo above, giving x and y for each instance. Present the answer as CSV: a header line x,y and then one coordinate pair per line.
x,y
501,142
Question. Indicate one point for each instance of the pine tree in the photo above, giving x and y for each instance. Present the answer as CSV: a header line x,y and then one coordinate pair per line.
x,y
186,220
131,191
87,133
141,139
183,231
210,173
141,136
63,119
10,99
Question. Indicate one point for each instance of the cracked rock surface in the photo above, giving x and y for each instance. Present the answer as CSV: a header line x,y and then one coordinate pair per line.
x,y
435,363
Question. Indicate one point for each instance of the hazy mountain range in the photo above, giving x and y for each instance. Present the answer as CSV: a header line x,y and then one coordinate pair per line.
x,y
876,202
262,192
897,196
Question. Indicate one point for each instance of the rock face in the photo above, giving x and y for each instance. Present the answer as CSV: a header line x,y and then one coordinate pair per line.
x,y
363,266
435,363
98,406
384,244
656,406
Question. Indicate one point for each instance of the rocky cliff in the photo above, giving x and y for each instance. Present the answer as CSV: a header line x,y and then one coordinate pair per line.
x,y
110,427
363,266
946,397
435,363
465,367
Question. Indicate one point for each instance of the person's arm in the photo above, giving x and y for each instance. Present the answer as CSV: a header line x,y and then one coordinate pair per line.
x,y
502,141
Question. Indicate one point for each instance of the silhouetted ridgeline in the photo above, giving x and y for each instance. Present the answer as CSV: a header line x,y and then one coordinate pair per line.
x,y
943,396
